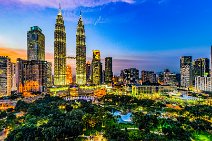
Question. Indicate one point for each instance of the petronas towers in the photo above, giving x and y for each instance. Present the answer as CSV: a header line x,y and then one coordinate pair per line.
x,y
60,52
80,53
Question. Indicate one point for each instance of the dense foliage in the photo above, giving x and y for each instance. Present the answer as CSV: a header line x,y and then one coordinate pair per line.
x,y
53,118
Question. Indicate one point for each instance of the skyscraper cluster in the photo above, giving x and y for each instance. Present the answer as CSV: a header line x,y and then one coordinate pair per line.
x,y
196,73
86,73
34,75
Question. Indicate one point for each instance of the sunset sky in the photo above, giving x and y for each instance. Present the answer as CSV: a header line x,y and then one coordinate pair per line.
x,y
146,34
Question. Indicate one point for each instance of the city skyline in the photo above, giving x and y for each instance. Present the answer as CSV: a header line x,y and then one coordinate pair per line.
x,y
99,24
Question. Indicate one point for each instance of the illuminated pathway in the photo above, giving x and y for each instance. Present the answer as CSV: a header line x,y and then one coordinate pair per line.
x,y
87,98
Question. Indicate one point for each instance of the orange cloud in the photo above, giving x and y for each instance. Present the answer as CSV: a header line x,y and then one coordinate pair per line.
x,y
13,53
20,53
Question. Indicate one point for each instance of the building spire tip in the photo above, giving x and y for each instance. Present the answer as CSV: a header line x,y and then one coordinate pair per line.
x,y
60,9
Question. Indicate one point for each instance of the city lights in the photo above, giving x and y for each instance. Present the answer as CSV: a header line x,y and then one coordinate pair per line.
x,y
75,85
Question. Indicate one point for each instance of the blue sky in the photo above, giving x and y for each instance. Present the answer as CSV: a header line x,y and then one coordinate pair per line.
x,y
146,34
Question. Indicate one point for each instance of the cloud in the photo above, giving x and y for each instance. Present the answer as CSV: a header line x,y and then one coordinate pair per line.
x,y
12,53
20,53
66,3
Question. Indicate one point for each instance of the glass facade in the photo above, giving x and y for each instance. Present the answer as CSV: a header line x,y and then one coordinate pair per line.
x,y
35,44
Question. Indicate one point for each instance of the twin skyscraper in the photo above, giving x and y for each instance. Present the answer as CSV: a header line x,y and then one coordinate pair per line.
x,y
60,52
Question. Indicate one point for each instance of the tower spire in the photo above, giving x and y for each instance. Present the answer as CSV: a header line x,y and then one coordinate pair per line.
x,y
80,13
60,9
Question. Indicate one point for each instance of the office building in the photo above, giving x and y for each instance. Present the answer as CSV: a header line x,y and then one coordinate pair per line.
x,y
96,70
201,67
5,76
186,71
35,44
31,76
148,77
108,73
130,76
170,78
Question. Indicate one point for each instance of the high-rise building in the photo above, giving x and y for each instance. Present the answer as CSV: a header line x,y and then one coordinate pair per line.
x,y
59,51
201,67
5,76
88,71
96,70
31,76
186,71
13,77
108,70
49,82
80,53
148,77
130,76
35,44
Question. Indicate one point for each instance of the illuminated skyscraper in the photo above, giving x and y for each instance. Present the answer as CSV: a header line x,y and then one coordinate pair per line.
x,y
80,53
5,76
59,51
108,70
201,67
186,71
35,44
96,76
